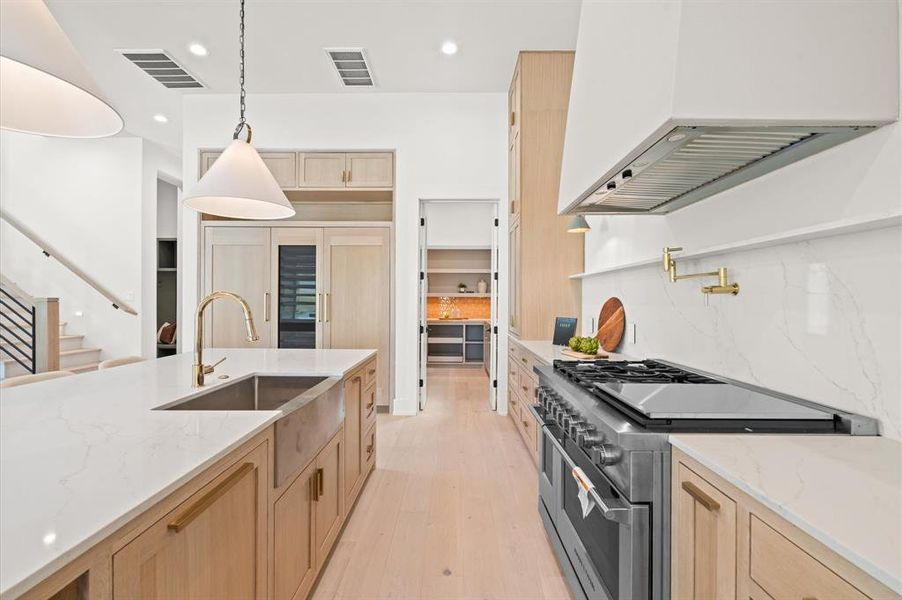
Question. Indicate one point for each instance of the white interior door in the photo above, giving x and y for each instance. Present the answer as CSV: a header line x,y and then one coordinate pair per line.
x,y
493,345
422,312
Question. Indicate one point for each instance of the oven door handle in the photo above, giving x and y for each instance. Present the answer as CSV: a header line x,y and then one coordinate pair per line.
x,y
618,514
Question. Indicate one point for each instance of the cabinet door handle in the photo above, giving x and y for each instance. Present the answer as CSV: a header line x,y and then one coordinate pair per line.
x,y
266,307
319,483
195,510
327,307
349,176
372,371
344,176
372,400
700,496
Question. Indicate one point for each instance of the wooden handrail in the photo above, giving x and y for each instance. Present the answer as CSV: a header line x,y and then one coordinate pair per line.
x,y
51,252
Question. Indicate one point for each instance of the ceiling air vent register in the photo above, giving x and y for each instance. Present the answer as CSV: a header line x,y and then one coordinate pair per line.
x,y
351,65
163,68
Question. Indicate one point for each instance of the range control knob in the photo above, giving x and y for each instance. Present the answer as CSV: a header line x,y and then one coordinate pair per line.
x,y
569,419
605,454
576,425
587,438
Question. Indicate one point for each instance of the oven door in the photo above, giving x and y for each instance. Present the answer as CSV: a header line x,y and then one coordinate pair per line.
x,y
549,461
610,547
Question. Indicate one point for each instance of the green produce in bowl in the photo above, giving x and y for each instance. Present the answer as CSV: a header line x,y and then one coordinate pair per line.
x,y
588,345
574,344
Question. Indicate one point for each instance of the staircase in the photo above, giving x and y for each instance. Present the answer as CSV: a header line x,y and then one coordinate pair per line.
x,y
17,324
73,356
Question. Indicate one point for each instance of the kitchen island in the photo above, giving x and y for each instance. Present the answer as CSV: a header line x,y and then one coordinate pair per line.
x,y
83,459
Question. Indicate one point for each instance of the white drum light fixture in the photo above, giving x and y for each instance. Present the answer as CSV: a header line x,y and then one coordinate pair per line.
x,y
239,184
44,87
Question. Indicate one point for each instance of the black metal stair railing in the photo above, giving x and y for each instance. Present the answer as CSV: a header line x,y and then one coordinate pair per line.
x,y
17,322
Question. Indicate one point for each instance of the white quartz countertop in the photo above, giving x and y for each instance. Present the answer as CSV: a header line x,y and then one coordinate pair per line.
x,y
81,456
844,491
548,352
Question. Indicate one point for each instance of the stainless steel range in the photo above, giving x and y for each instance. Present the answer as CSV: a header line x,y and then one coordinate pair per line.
x,y
605,437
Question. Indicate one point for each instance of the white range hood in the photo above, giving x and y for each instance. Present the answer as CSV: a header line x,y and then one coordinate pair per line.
x,y
674,101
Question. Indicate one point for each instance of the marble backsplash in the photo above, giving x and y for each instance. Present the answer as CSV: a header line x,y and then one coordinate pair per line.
x,y
820,319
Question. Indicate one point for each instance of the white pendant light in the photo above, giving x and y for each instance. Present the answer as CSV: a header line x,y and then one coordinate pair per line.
x,y
578,225
44,87
239,184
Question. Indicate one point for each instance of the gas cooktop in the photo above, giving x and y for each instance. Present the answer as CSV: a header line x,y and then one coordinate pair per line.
x,y
659,391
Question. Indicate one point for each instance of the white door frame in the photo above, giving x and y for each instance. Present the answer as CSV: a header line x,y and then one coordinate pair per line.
x,y
497,279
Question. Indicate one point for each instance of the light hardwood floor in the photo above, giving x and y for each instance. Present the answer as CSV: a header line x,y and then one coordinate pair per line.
x,y
450,511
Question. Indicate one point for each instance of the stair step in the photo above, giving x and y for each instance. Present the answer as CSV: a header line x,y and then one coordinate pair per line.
x,y
84,368
71,342
70,359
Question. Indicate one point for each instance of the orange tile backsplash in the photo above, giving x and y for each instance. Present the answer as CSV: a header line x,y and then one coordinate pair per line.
x,y
470,308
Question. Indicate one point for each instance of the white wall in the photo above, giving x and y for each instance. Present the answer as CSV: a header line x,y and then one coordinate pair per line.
x,y
459,224
167,209
818,319
84,198
447,146
89,199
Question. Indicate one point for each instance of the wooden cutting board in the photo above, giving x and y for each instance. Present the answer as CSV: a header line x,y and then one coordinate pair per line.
x,y
611,322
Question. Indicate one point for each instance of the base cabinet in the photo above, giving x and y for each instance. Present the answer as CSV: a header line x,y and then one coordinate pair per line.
x,y
207,547
726,544
294,552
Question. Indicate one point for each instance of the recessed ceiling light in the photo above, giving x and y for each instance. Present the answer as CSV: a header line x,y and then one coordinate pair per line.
x,y
161,118
449,48
197,49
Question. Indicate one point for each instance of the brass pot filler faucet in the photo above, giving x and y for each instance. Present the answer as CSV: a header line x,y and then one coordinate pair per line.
x,y
721,288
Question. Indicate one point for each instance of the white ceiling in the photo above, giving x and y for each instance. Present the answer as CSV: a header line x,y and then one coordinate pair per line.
x,y
285,41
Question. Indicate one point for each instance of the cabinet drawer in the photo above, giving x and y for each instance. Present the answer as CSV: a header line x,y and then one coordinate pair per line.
x,y
513,373
513,404
529,431
784,570
527,385
369,374
368,407
369,448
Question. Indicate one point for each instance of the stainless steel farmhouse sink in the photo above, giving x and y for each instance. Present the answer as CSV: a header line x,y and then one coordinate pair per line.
x,y
312,411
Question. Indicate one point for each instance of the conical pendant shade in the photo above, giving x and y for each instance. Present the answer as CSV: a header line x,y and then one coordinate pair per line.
x,y
44,87
239,185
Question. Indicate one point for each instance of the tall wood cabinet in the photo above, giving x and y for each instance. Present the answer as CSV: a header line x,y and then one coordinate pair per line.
x,y
542,253
308,287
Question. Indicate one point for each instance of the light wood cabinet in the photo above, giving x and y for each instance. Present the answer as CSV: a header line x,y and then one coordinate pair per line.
x,y
354,458
543,254
207,547
283,166
370,170
725,544
294,552
357,283
351,301
704,530
329,498
515,281
237,259
322,169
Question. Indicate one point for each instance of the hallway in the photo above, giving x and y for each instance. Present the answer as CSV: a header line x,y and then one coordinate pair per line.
x,y
450,511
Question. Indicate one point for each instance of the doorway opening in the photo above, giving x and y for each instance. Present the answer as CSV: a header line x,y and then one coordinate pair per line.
x,y
458,298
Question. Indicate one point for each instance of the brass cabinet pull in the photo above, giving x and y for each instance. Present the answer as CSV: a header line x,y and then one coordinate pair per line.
x,y
349,176
344,176
700,496
327,307
369,449
183,520
372,371
525,389
319,483
314,490
356,378
266,310
372,400
525,362
319,309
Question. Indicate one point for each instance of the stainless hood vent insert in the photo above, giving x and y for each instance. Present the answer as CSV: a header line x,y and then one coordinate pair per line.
x,y
690,163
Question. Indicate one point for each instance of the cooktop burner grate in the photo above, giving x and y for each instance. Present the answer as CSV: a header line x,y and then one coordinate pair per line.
x,y
587,374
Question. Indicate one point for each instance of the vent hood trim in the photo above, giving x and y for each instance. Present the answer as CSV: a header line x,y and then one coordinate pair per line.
x,y
672,182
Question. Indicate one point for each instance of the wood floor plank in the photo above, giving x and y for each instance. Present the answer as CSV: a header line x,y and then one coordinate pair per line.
x,y
450,511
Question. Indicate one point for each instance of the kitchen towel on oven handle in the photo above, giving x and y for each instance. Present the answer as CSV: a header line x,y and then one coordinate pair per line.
x,y
586,500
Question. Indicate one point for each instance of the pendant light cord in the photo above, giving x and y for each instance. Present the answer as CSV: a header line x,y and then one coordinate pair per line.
x,y
242,122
